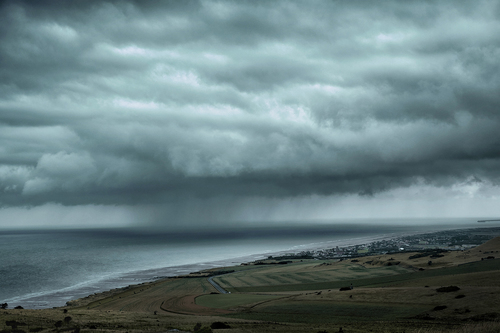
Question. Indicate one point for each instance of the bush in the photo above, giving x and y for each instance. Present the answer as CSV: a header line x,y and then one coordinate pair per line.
x,y
435,256
447,289
433,253
439,308
345,288
219,325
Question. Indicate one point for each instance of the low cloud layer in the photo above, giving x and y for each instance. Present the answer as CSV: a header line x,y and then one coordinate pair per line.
x,y
130,104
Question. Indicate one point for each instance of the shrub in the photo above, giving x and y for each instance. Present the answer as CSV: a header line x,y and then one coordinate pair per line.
x,y
439,308
345,288
219,325
197,327
447,289
434,256
433,253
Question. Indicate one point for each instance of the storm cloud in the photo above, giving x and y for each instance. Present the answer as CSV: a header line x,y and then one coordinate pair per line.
x,y
247,105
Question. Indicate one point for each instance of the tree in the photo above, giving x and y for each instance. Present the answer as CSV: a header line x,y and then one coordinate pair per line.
x,y
4,306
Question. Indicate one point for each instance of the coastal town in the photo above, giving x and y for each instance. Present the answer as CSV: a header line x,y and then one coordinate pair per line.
x,y
448,240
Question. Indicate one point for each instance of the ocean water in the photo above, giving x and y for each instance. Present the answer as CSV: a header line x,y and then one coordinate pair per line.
x,y
47,268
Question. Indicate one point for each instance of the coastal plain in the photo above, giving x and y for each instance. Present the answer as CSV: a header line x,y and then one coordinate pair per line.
x,y
454,291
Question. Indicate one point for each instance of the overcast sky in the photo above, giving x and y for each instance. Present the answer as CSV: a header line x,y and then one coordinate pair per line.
x,y
179,112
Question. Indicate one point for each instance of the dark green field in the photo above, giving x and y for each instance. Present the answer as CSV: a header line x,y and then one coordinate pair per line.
x,y
327,312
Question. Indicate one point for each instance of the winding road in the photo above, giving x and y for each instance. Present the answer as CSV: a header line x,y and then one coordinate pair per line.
x,y
217,286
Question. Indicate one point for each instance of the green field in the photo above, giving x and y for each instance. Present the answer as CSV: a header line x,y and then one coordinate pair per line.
x,y
327,312
308,293
271,280
302,276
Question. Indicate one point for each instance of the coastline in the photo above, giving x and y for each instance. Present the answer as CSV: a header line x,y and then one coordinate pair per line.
x,y
58,298
92,289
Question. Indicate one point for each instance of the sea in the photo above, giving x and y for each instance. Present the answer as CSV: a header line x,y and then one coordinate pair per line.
x,y
46,268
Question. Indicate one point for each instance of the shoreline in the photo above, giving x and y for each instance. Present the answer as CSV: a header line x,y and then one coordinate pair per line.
x,y
59,298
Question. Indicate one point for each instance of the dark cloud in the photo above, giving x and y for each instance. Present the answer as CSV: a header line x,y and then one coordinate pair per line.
x,y
134,103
